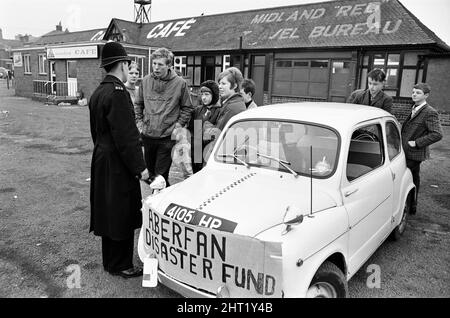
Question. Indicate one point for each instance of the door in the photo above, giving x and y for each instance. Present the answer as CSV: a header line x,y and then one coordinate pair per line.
x,y
341,80
258,69
72,84
397,164
52,77
367,193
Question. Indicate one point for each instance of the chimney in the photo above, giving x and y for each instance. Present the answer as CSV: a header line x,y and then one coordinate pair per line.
x,y
1,34
59,27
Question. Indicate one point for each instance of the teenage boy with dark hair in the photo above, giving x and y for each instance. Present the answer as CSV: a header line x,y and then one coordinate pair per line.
x,y
248,91
421,129
374,95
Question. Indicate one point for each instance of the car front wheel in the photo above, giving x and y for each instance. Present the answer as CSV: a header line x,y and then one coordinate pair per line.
x,y
328,282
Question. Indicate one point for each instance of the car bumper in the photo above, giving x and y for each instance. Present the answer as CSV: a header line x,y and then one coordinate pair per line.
x,y
182,289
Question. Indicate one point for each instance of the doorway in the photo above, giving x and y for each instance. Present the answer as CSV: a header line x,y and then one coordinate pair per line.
x,y
257,75
52,77
72,84
341,80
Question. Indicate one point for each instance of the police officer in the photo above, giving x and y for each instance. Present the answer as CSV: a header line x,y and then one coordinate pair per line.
x,y
117,165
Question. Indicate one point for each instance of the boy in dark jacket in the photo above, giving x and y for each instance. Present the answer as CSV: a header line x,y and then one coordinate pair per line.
x,y
374,95
421,129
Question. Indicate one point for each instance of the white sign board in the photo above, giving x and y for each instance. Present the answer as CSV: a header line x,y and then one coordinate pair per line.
x,y
78,52
17,59
208,258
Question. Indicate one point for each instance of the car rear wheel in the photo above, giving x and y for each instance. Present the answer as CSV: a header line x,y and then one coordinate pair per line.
x,y
400,229
328,282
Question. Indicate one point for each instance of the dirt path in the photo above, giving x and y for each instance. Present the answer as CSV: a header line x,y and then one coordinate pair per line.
x,y
45,154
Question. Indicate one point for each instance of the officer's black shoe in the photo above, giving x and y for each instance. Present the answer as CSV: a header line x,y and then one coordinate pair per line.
x,y
129,273
413,210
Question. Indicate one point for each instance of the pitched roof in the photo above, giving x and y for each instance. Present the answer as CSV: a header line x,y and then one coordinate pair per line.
x,y
129,30
343,23
10,44
71,37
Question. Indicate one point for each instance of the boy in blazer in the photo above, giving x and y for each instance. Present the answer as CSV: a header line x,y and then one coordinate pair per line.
x,y
421,129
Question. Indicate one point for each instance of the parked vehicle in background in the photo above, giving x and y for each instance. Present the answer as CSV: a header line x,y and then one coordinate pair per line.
x,y
292,202
3,72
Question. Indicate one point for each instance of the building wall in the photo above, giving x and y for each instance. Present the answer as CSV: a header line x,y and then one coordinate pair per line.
x,y
24,82
89,76
438,76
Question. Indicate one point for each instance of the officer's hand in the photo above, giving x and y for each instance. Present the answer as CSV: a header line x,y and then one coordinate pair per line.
x,y
412,144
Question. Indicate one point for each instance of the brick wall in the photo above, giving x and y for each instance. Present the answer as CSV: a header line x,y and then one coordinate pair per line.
x,y
438,76
89,76
24,82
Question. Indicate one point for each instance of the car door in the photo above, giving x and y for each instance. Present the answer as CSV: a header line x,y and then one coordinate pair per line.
x,y
367,193
397,164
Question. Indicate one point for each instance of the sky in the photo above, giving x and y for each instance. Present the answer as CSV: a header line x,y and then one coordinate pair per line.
x,y
37,17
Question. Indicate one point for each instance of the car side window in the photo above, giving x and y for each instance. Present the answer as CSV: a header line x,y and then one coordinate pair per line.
x,y
393,140
365,152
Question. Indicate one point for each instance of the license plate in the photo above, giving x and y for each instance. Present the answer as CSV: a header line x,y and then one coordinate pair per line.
x,y
150,276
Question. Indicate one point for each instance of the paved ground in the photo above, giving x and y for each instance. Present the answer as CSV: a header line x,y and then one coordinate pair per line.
x,y
45,156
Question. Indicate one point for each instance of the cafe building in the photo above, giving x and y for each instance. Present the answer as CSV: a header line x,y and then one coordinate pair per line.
x,y
64,66
309,52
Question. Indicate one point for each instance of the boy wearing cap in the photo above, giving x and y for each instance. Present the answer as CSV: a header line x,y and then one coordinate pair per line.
x,y
117,165
208,111
374,95
421,129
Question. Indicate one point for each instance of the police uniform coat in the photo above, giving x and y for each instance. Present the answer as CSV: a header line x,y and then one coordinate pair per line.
x,y
117,162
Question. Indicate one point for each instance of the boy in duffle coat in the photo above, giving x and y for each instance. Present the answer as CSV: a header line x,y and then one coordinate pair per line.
x,y
420,130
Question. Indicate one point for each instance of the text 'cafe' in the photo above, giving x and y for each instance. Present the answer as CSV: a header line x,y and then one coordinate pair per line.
x,y
312,52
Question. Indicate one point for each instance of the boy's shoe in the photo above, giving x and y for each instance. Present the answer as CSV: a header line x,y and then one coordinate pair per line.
x,y
129,273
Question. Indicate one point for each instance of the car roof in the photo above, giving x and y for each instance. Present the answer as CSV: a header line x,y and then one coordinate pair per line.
x,y
340,116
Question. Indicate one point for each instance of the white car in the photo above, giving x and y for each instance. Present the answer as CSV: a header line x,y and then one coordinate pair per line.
x,y
292,202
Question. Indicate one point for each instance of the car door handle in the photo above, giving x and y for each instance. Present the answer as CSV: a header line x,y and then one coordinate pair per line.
x,y
349,193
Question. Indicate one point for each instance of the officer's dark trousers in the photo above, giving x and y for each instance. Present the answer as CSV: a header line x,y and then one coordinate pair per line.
x,y
117,255
158,155
414,166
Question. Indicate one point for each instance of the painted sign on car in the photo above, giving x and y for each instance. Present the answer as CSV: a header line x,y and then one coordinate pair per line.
x,y
208,259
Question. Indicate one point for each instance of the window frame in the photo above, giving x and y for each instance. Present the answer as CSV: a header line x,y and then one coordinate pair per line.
x,y
27,64
387,141
366,64
382,150
42,64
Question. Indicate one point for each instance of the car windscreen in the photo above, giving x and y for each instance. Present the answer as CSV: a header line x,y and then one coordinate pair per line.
x,y
282,146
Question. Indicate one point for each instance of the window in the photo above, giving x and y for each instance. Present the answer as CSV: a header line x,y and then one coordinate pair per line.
x,y
71,69
263,143
180,64
26,64
202,68
403,70
366,151
194,65
42,64
393,140
302,78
